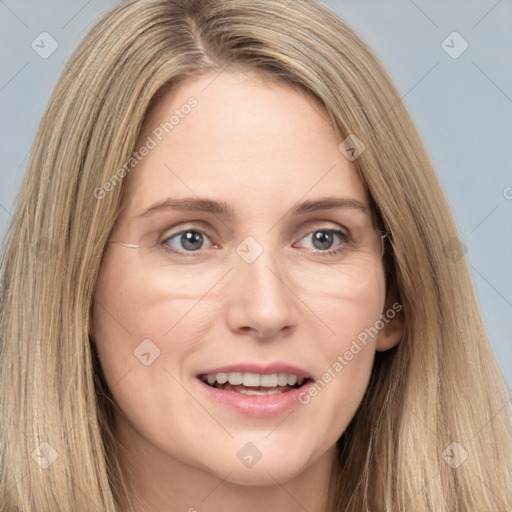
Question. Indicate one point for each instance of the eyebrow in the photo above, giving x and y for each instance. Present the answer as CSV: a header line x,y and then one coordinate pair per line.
x,y
222,208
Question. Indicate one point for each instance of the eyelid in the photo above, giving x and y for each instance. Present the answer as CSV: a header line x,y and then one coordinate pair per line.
x,y
321,225
193,225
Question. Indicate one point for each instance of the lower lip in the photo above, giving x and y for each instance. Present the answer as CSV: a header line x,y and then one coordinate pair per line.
x,y
255,405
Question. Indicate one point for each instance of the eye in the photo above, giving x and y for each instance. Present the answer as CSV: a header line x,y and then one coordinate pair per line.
x,y
194,240
190,240
323,239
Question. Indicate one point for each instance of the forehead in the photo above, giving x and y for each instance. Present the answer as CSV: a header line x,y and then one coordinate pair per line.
x,y
246,139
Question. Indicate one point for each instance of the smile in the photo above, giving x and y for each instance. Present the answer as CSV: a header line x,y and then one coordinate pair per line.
x,y
250,383
253,393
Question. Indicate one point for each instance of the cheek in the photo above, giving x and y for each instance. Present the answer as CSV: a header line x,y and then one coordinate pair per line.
x,y
346,352
140,321
349,313
145,333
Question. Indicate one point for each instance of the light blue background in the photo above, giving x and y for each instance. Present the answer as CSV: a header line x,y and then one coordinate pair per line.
x,y
462,108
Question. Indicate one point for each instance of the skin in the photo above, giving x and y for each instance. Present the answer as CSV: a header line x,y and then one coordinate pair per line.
x,y
261,147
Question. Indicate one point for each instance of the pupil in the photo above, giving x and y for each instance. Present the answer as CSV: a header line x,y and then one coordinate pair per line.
x,y
192,240
323,238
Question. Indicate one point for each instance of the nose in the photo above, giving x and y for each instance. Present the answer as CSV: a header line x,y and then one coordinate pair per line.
x,y
260,301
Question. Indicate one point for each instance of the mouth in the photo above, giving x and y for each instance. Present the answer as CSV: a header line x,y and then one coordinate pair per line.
x,y
255,389
255,384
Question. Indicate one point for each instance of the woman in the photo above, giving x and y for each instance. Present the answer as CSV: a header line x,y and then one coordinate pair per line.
x,y
226,287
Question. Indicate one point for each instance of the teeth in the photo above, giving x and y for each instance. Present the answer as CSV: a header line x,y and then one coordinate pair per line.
x,y
269,381
222,378
282,379
255,380
235,378
251,379
292,380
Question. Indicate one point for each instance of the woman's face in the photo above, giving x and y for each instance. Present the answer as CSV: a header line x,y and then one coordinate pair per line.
x,y
250,255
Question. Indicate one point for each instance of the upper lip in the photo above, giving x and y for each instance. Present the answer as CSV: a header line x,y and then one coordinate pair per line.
x,y
263,369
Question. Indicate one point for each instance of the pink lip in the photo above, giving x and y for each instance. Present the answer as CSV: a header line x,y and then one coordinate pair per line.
x,y
256,405
266,369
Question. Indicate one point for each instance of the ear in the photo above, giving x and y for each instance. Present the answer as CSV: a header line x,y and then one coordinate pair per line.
x,y
394,325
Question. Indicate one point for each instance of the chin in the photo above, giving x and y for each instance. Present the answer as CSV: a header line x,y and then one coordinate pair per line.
x,y
253,467
264,474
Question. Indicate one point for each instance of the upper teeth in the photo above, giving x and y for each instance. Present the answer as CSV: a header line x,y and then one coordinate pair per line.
x,y
254,379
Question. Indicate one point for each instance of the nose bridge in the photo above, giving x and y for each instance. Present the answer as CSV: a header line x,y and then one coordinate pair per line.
x,y
259,267
260,297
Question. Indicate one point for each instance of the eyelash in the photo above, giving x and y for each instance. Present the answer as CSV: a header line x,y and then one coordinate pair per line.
x,y
345,240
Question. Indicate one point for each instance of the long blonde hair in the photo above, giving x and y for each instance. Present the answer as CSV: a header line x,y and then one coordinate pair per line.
x,y
433,431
